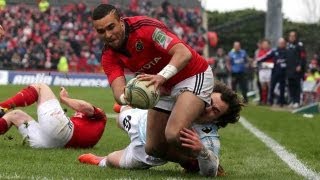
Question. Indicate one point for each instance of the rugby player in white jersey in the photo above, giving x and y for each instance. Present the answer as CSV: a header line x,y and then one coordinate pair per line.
x,y
201,139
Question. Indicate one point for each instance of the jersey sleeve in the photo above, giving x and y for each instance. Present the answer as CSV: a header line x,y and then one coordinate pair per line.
x,y
112,66
209,137
209,165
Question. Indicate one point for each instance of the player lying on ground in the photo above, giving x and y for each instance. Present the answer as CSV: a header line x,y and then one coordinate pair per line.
x,y
202,140
147,47
53,128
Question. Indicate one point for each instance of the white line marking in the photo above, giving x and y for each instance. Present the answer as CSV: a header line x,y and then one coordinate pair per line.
x,y
290,159
111,115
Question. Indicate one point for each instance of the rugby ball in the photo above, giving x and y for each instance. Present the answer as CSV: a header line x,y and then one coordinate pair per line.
x,y
139,95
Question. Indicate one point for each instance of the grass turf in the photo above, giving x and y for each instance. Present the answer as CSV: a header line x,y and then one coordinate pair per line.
x,y
242,155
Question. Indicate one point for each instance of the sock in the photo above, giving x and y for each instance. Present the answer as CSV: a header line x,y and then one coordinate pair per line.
x,y
103,162
3,126
25,97
264,95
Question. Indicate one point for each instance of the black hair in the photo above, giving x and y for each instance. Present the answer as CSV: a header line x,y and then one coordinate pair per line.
x,y
104,9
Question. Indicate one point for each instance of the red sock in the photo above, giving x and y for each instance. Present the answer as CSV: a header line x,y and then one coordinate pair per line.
x,y
264,95
25,97
3,126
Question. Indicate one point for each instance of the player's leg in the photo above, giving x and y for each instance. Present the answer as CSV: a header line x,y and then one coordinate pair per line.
x,y
188,107
282,83
24,97
156,143
272,87
244,86
234,81
114,158
16,118
192,95
45,93
52,120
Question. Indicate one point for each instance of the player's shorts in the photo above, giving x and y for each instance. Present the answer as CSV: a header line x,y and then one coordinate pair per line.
x,y
200,84
135,157
53,129
265,75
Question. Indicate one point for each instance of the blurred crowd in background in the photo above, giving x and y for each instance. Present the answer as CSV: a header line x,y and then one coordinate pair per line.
x,y
62,37
281,76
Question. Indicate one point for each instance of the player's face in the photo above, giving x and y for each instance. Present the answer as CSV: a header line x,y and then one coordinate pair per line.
x,y
265,45
236,46
292,36
282,43
217,108
111,29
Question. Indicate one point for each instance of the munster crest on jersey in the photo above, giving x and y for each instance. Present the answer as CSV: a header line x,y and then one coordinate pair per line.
x,y
139,45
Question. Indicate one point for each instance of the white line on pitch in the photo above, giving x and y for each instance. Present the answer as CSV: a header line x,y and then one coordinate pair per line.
x,y
111,115
289,158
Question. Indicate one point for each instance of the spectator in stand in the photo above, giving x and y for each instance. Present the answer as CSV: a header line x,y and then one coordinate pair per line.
x,y
219,67
278,75
63,64
264,70
313,70
296,63
39,37
237,65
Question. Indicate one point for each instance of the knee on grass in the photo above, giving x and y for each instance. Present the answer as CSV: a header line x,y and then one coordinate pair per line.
x,y
17,117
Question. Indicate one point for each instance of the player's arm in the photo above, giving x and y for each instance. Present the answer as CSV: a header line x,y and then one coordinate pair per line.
x,y
208,161
113,68
117,87
303,61
167,43
76,104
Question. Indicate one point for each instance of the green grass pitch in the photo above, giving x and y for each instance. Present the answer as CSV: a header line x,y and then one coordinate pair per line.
x,y
243,156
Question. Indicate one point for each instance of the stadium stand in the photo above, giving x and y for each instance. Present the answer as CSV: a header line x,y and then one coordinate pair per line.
x,y
40,41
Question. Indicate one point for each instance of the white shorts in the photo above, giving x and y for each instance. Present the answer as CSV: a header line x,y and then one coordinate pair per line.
x,y
53,129
135,156
200,84
265,75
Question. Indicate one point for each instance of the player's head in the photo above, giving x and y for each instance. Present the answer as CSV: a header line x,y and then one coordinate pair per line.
x,y
236,46
281,43
109,25
292,36
265,44
220,51
226,106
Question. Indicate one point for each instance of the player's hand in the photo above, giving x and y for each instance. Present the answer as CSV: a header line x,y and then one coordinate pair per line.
x,y
63,94
2,32
190,139
156,80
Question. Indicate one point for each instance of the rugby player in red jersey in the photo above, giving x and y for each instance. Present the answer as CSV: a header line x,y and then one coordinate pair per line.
x,y
147,47
53,128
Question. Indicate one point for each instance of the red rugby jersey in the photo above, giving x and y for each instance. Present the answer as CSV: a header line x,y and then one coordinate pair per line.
x,y
262,52
147,51
87,130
